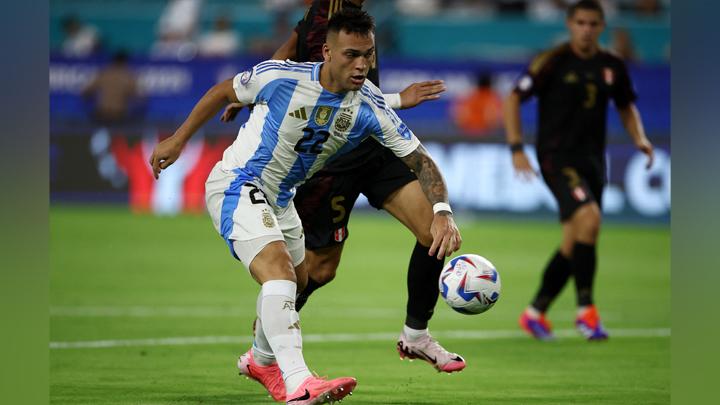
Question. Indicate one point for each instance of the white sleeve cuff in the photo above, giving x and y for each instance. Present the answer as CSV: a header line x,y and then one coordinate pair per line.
x,y
393,100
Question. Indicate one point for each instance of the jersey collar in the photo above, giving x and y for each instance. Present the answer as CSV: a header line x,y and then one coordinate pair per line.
x,y
315,75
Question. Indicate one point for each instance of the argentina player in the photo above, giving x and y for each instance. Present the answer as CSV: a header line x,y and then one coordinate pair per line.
x,y
305,115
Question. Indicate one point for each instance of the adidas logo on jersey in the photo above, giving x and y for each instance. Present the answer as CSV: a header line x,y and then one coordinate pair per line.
x,y
299,113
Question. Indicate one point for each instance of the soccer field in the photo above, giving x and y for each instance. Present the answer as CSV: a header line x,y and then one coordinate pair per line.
x,y
153,310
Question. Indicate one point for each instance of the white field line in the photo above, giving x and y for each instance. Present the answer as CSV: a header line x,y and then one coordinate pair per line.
x,y
201,312
345,337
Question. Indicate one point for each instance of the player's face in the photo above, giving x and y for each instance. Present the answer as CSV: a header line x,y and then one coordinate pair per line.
x,y
350,57
585,28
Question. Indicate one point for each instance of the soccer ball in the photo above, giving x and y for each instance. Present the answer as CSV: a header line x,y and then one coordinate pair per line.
x,y
470,284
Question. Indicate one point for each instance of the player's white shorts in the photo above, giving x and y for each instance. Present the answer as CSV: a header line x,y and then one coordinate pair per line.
x,y
243,217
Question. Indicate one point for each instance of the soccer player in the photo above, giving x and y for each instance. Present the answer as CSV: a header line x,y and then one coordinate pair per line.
x,y
325,201
573,83
305,114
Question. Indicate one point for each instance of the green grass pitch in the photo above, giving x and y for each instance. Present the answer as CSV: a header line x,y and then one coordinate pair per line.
x,y
130,283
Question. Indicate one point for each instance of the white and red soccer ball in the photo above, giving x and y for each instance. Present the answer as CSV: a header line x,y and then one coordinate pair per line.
x,y
470,284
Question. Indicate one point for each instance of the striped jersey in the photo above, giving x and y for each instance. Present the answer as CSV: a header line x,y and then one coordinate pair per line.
x,y
297,126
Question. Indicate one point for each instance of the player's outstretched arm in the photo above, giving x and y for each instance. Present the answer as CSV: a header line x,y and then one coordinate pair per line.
x,y
630,117
231,111
416,93
446,236
168,151
513,134
287,50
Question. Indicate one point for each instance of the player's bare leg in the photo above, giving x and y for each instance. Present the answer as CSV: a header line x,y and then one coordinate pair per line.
x,y
321,265
410,206
273,269
259,361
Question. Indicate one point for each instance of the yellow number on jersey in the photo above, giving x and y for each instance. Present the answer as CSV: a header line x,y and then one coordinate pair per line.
x,y
591,95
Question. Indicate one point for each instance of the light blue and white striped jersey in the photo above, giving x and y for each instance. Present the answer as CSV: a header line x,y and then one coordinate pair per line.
x,y
297,126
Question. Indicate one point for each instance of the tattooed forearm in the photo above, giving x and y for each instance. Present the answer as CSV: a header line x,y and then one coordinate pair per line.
x,y
428,174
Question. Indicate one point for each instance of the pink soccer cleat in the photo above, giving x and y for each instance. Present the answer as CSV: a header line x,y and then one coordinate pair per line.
x,y
315,390
269,376
428,349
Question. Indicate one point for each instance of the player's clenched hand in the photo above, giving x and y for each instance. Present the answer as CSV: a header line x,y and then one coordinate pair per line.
x,y
522,166
165,154
646,147
446,236
231,112
416,93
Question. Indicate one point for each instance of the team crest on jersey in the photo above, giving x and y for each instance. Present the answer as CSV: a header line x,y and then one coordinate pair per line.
x,y
609,76
267,218
322,115
245,77
571,77
343,121
340,234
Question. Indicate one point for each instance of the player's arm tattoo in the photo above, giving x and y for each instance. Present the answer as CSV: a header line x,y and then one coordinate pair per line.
x,y
428,174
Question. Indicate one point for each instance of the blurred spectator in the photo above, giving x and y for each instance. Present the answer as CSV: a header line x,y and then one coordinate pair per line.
x,y
547,9
480,111
221,41
176,27
622,44
115,90
80,40
511,6
265,46
418,7
281,6
648,8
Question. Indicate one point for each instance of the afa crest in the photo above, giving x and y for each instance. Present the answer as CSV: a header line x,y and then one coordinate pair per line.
x,y
322,115
343,121
267,219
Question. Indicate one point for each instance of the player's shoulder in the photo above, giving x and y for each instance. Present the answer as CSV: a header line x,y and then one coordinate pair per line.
x,y
372,96
610,56
548,57
279,69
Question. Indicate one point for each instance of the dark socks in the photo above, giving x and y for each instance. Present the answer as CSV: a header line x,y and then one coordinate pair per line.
x,y
422,284
557,272
583,264
302,297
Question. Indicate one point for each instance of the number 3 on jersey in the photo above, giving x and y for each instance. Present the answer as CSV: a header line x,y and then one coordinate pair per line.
x,y
310,143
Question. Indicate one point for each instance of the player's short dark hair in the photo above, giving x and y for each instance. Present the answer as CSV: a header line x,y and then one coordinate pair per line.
x,y
591,5
352,21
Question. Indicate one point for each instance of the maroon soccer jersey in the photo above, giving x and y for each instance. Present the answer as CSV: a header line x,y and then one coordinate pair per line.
x,y
573,96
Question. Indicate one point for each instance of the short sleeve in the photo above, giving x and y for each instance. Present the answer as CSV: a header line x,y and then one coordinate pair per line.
x,y
247,86
623,92
532,80
388,129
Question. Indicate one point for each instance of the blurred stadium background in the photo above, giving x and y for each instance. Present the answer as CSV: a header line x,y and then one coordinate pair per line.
x,y
175,59
126,289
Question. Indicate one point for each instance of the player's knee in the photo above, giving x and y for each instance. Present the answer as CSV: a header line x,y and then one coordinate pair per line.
x,y
325,271
424,237
301,276
285,270
280,267
587,223
322,264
